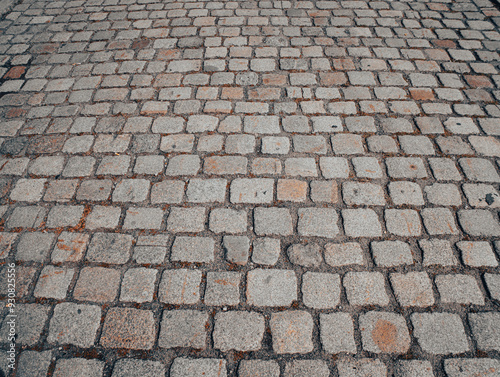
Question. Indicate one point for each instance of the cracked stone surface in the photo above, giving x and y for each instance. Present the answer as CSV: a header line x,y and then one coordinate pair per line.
x,y
250,188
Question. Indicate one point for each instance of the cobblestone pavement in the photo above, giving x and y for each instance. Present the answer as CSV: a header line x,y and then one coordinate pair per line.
x,y
251,188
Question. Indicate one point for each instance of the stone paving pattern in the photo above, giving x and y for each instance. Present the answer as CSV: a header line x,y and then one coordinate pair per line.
x,y
251,188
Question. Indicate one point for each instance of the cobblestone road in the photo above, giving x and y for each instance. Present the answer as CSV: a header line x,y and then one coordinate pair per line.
x,y
251,188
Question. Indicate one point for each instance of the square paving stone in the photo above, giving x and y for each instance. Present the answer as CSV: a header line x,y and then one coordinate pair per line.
x,y
168,192
384,332
78,367
184,367
468,293
439,221
440,333
437,252
223,288
186,219
110,248
138,368
33,364
128,328
34,246
413,289
361,368
362,222
237,249
273,221
324,192
266,251
74,324
391,253
486,330
366,288
180,286
403,192
54,282
238,330
403,222
138,285
183,328
30,321
306,255
306,368
193,249
292,332
321,290
150,165
97,284
472,367
318,222
337,332
70,247
258,368
271,287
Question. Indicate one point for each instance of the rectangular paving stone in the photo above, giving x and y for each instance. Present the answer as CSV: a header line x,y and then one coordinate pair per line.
x,y
366,288
74,324
440,333
271,287
128,328
32,316
97,284
183,328
238,330
337,333
180,286
292,332
109,248
54,282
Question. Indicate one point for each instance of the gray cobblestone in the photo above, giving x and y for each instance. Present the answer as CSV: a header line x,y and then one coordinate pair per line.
x,y
440,333
271,287
241,331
